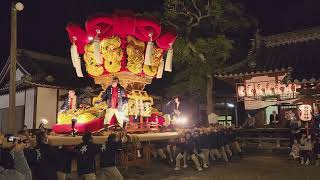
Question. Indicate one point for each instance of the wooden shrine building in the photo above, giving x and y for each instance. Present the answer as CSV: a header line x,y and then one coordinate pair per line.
x,y
41,81
280,72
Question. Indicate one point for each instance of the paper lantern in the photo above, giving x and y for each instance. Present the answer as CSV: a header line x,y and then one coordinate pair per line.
x,y
259,88
241,91
305,112
250,90
268,89
277,89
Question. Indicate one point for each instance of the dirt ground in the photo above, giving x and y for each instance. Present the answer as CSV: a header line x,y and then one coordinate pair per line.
x,y
247,168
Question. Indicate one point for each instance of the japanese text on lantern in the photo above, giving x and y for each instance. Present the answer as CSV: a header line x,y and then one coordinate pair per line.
x,y
305,112
261,89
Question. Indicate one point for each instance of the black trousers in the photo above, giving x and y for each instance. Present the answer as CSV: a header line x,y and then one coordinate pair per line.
x,y
305,154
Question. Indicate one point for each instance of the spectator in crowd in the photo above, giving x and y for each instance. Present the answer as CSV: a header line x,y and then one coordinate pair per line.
x,y
86,152
316,151
227,140
295,127
274,119
29,152
13,164
306,149
109,152
303,139
295,150
235,146
317,119
250,122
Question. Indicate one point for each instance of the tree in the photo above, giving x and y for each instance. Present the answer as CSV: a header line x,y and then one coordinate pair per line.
x,y
206,31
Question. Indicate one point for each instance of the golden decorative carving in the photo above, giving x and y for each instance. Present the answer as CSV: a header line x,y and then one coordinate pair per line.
x,y
156,59
111,53
156,56
83,115
91,66
135,52
150,70
139,103
127,79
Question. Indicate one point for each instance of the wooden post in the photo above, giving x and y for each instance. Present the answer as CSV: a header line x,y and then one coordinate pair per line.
x,y
13,62
210,100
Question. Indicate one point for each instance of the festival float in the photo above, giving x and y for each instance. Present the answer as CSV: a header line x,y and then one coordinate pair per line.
x,y
134,48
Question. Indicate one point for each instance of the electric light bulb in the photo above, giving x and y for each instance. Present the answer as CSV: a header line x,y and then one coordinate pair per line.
x,y
19,6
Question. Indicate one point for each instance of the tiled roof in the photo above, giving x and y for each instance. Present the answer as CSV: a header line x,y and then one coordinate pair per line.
x,y
292,37
44,70
294,53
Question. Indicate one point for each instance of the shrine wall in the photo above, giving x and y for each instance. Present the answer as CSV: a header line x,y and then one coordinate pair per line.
x,y
46,106
29,108
4,100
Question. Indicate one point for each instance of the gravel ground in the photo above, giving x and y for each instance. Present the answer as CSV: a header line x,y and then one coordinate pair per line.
x,y
247,168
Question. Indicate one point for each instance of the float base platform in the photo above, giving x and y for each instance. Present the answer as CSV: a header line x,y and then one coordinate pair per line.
x,y
63,140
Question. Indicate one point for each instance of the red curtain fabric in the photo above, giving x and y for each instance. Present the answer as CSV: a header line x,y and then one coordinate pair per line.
x,y
91,126
78,36
122,24
97,124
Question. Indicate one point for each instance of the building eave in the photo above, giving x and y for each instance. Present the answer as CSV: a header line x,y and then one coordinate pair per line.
x,y
292,37
251,73
4,71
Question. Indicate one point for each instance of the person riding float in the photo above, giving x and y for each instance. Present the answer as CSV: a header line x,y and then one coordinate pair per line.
x,y
116,99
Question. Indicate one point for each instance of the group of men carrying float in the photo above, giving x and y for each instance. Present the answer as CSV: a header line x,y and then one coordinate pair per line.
x,y
201,145
117,103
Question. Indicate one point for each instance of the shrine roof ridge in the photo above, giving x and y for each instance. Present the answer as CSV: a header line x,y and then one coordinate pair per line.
x,y
292,37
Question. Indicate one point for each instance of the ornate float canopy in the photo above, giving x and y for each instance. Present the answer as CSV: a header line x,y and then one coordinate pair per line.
x,y
123,44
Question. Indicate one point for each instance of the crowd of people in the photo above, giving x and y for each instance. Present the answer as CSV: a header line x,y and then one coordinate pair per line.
x,y
202,146
306,149
28,159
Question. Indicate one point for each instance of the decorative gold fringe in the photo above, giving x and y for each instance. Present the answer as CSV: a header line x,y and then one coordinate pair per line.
x,y
160,70
168,66
148,55
76,60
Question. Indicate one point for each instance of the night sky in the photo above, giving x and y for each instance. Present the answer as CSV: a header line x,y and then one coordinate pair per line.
x,y
41,25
